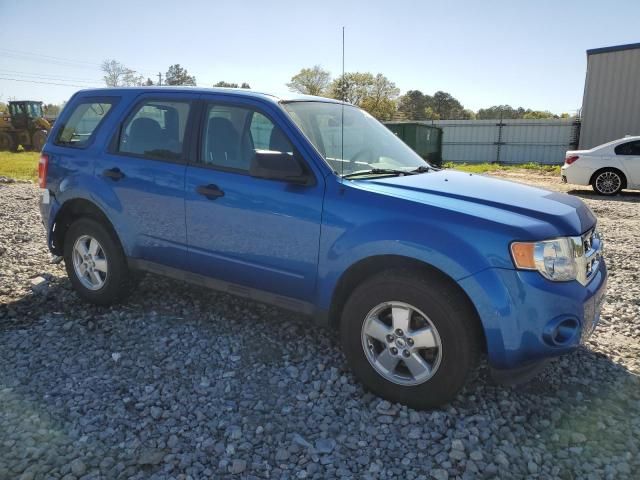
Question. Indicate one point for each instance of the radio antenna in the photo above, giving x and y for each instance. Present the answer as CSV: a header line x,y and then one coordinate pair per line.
x,y
344,85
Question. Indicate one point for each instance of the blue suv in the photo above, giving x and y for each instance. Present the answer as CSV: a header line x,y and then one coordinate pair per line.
x,y
312,205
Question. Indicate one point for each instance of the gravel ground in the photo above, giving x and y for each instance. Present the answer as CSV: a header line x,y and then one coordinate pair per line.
x,y
181,382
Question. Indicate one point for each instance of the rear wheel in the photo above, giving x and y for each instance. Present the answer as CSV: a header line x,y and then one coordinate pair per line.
x,y
608,182
6,142
410,339
38,140
95,263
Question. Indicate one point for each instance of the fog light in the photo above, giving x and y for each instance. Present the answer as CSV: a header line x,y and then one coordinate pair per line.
x,y
561,331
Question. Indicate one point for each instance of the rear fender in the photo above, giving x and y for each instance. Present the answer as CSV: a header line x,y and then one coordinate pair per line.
x,y
92,189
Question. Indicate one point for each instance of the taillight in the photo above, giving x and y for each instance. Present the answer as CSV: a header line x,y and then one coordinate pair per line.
x,y
43,167
570,159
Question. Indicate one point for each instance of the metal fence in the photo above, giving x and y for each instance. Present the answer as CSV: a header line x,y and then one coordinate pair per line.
x,y
508,141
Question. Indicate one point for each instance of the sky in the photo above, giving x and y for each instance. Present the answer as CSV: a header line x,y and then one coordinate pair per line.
x,y
521,53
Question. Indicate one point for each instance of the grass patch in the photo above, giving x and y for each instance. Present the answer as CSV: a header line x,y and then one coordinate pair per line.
x,y
20,166
493,167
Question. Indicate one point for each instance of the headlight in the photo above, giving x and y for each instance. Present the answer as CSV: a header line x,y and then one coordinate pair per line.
x,y
554,259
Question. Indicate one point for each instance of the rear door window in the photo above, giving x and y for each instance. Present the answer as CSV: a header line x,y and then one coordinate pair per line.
x,y
82,123
156,130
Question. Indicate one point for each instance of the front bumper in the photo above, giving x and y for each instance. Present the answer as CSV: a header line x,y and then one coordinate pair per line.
x,y
527,318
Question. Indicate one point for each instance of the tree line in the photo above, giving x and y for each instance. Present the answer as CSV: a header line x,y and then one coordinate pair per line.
x,y
116,74
381,98
374,93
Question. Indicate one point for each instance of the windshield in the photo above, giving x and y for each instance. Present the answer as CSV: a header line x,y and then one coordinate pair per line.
x,y
367,145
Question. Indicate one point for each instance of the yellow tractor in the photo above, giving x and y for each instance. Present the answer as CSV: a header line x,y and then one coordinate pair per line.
x,y
24,125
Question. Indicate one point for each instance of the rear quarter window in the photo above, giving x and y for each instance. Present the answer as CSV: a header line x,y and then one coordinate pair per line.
x,y
84,120
629,148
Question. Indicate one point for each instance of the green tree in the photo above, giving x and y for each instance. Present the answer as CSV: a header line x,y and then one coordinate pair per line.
x,y
430,114
148,83
118,75
507,112
352,87
52,110
499,111
176,75
3,107
414,104
375,94
231,85
380,100
310,81
468,114
224,84
538,114
446,106
419,106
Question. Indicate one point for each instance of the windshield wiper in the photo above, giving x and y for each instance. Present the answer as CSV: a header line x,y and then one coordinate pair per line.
x,y
378,171
422,169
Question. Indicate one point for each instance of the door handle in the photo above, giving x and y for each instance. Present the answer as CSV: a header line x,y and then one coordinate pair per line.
x,y
114,174
210,191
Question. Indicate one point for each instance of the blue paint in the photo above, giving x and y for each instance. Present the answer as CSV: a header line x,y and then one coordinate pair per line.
x,y
298,240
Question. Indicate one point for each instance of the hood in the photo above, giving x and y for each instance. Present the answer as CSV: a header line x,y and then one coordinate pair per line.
x,y
486,197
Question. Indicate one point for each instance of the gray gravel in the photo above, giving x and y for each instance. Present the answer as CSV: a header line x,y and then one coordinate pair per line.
x,y
181,382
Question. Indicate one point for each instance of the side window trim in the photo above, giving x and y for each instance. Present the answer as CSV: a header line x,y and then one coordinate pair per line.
x,y
114,100
196,157
114,144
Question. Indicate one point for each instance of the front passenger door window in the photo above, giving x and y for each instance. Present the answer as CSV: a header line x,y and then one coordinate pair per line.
x,y
232,135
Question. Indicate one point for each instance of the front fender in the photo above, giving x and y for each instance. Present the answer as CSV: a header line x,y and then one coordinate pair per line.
x,y
451,253
359,224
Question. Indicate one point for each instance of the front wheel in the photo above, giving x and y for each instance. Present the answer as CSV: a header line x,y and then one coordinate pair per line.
x,y
95,263
410,339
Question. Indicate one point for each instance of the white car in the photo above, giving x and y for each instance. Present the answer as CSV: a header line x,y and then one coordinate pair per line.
x,y
608,168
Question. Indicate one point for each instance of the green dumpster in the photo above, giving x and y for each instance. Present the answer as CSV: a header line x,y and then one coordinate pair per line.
x,y
424,139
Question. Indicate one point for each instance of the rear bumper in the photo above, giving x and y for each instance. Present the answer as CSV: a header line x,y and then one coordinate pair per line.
x,y
576,175
527,318
49,207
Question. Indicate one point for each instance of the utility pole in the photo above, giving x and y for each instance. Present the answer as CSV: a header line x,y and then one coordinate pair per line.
x,y
159,78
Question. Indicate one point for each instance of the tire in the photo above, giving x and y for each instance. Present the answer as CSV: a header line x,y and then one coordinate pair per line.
x,y
107,262
434,304
38,140
6,142
608,182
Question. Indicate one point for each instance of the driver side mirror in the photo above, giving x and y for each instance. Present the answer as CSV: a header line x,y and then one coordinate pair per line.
x,y
281,166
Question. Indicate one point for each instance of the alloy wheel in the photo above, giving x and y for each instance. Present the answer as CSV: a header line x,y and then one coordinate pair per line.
x,y
90,262
401,343
608,182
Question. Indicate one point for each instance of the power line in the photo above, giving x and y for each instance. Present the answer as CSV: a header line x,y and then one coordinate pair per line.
x,y
61,61
52,57
30,75
47,61
46,83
